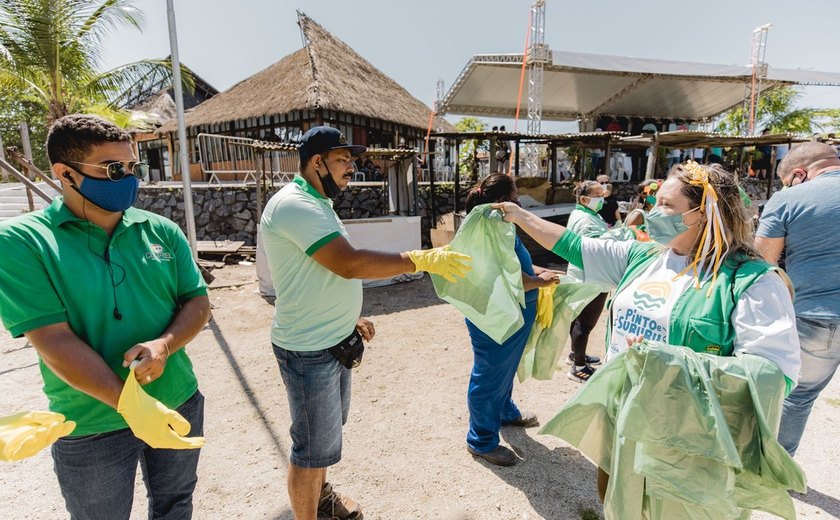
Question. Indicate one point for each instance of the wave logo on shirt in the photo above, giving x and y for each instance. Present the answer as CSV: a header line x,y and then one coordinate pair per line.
x,y
156,252
651,295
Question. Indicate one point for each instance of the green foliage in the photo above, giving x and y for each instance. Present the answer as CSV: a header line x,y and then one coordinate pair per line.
x,y
777,112
13,111
50,52
467,160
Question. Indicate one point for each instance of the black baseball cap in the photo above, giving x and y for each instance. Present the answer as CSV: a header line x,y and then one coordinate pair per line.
x,y
320,139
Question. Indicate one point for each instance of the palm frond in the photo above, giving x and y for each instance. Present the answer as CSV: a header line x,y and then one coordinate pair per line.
x,y
110,14
127,82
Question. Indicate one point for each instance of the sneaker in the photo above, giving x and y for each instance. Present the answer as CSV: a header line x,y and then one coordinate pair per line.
x,y
581,374
527,420
334,506
590,360
501,456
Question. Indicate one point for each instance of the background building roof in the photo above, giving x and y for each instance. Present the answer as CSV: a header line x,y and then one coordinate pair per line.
x,y
326,74
584,86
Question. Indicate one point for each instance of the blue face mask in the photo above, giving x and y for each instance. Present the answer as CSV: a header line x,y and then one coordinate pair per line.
x,y
110,195
665,228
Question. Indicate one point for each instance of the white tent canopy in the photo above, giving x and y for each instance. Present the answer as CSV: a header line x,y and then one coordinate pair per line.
x,y
585,86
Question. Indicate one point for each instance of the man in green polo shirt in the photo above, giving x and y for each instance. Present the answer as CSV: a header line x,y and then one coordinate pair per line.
x,y
94,285
317,278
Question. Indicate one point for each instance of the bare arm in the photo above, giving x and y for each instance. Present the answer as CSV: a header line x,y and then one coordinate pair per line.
x,y
348,262
75,362
153,354
770,248
544,232
634,218
543,279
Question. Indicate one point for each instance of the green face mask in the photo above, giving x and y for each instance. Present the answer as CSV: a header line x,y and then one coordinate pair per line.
x,y
665,228
651,199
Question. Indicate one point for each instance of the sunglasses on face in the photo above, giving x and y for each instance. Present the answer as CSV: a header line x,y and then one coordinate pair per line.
x,y
117,170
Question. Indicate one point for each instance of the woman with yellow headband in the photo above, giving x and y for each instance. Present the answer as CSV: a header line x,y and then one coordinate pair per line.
x,y
698,284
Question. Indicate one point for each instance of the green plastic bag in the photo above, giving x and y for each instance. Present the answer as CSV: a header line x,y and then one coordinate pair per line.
x,y
544,346
684,435
491,296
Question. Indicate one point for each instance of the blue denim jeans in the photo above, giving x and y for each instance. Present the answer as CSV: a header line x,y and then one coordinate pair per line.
x,y
820,351
318,389
96,472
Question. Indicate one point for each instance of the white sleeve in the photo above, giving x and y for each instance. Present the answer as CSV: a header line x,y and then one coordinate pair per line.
x,y
604,261
765,324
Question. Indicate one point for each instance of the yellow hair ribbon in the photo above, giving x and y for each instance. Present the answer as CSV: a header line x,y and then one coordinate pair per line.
x,y
714,244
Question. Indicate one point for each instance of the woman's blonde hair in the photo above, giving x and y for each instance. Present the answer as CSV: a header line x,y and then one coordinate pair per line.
x,y
735,219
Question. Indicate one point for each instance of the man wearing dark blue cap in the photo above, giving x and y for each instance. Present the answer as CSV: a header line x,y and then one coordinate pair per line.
x,y
317,278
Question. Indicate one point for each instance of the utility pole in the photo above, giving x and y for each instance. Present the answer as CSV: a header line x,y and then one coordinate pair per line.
x,y
189,214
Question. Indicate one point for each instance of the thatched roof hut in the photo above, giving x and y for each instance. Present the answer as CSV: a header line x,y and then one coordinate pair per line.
x,y
326,82
157,99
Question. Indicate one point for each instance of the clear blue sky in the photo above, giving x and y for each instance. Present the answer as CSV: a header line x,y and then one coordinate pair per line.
x,y
416,43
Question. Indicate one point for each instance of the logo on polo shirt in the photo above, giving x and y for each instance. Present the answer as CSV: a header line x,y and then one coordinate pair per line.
x,y
156,252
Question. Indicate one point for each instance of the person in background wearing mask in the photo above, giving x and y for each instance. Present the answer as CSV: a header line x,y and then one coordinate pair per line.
x,y
94,285
802,222
609,212
586,222
317,276
700,284
646,201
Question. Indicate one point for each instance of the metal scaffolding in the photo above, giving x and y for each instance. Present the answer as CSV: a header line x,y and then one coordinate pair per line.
x,y
538,56
759,73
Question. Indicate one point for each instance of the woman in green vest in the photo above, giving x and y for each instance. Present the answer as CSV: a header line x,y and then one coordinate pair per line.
x,y
698,284
585,222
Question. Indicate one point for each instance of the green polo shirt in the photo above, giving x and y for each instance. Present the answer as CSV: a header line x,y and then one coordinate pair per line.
x,y
315,308
53,269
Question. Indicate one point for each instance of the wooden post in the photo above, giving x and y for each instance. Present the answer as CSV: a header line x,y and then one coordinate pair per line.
x,y
516,169
772,175
457,184
650,172
553,169
3,175
430,167
259,194
494,145
27,151
607,157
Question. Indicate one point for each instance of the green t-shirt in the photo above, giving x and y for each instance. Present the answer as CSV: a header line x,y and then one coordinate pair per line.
x,y
315,308
55,268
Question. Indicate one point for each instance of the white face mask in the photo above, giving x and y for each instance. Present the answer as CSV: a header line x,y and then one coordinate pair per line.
x,y
595,203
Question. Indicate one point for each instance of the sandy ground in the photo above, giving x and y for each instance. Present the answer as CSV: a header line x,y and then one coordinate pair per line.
x,y
404,451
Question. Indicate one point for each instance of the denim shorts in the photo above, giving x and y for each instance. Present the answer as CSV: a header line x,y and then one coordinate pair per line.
x,y
318,389
96,472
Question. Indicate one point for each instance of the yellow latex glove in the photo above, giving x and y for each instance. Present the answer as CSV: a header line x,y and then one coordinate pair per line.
x,y
26,433
151,421
441,261
545,306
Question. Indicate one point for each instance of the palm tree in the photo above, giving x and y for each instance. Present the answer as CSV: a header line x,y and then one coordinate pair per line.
x,y
50,54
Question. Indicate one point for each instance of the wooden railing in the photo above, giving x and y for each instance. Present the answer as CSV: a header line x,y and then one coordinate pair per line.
x,y
26,182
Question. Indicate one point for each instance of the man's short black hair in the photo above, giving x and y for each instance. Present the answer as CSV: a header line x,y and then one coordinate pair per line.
x,y
71,137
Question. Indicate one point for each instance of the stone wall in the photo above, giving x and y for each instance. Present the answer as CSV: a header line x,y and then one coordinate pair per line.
x,y
221,213
229,212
